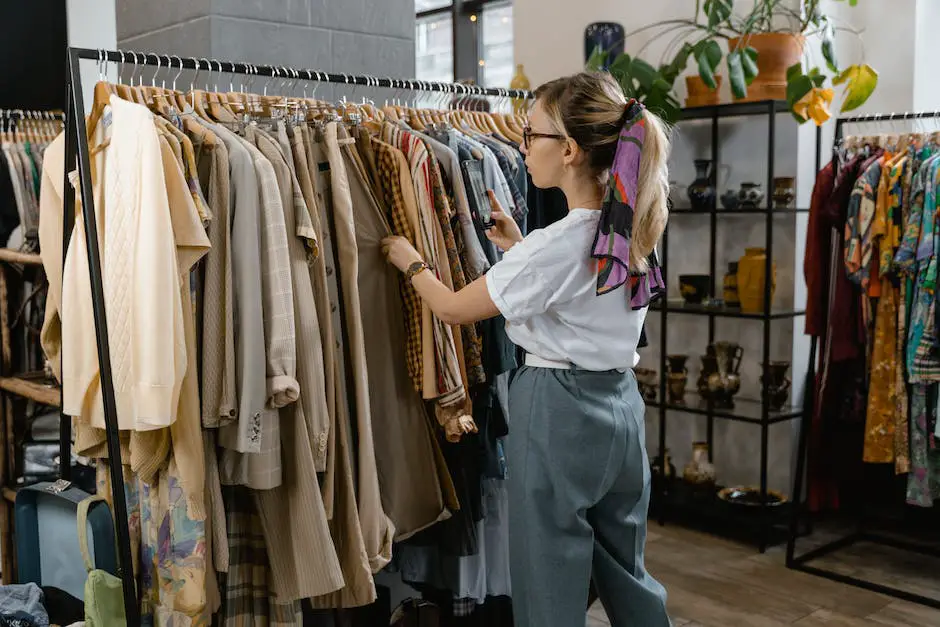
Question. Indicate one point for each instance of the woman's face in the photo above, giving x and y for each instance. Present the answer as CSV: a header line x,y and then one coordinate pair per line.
x,y
544,156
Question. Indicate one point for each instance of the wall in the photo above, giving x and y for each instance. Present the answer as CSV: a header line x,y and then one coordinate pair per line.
x,y
351,36
92,24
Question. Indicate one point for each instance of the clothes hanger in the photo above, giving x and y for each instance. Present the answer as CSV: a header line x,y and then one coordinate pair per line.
x,y
103,92
137,94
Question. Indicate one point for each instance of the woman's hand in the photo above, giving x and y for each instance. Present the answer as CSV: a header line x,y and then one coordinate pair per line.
x,y
505,234
399,252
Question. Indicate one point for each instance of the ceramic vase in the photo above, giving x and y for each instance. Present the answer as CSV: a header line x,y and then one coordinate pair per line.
x,y
725,383
699,471
730,287
676,364
648,382
709,367
694,287
702,190
784,191
751,280
750,196
662,466
778,384
676,387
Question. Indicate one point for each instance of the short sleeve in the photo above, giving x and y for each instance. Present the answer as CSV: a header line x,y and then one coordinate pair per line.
x,y
527,279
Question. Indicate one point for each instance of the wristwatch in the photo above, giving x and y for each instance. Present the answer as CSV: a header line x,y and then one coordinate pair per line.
x,y
415,268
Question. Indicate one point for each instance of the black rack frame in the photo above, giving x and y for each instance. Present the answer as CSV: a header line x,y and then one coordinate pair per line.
x,y
76,147
802,562
762,417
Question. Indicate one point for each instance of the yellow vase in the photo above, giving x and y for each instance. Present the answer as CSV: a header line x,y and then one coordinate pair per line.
x,y
751,278
519,81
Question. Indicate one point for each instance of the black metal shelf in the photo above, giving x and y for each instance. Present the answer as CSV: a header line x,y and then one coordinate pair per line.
x,y
758,519
725,312
745,410
701,508
734,109
760,211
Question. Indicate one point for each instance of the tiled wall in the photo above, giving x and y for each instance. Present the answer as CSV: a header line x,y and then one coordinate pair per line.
x,y
347,36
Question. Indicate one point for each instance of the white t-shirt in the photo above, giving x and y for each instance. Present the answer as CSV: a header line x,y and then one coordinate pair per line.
x,y
546,288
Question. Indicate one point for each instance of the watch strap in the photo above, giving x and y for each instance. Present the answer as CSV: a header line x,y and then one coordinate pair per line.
x,y
415,268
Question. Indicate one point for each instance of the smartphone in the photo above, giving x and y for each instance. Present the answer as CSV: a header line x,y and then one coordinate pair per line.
x,y
480,208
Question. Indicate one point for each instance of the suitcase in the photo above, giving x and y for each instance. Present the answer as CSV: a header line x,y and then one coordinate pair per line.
x,y
47,548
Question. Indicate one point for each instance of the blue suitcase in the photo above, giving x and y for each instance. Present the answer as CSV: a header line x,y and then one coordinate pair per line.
x,y
47,548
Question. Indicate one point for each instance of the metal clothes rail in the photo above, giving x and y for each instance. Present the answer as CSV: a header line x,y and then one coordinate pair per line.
x,y
802,562
76,147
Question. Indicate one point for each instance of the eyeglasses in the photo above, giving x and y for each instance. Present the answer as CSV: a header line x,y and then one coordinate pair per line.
x,y
527,135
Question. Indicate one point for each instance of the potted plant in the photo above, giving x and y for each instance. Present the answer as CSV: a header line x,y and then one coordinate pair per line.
x,y
767,57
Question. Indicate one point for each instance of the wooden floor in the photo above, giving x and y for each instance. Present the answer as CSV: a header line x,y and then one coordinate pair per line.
x,y
714,582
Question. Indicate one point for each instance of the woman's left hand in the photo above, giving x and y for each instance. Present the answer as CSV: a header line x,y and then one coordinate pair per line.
x,y
399,252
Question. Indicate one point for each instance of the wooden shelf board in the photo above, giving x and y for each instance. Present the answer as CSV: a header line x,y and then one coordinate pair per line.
x,y
14,256
38,391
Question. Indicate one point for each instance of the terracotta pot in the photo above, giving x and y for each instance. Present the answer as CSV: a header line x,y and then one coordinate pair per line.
x,y
700,94
751,279
775,53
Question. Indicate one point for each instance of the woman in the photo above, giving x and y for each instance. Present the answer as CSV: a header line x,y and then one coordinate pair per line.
x,y
575,295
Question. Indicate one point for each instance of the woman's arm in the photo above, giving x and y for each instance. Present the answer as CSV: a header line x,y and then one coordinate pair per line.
x,y
469,305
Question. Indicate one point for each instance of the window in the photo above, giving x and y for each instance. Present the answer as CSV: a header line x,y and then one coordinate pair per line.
x,y
430,5
464,39
434,48
497,45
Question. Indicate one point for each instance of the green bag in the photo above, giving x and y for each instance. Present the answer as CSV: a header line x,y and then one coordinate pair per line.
x,y
104,595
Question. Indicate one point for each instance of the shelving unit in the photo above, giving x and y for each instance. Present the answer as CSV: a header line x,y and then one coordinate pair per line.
x,y
673,498
17,388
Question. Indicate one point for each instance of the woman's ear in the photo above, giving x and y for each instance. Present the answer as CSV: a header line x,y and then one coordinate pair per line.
x,y
573,155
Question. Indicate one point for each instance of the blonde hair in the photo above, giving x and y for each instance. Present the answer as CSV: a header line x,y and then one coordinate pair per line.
x,y
590,108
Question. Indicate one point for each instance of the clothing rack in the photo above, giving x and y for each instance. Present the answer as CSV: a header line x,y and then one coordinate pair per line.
x,y
76,147
802,562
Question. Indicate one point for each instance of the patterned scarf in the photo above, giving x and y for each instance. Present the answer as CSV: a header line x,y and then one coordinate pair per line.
x,y
612,244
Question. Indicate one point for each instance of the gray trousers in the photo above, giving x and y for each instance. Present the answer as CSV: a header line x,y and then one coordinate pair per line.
x,y
579,489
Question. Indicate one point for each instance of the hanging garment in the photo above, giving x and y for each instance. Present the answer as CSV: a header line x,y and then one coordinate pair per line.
x,y
262,470
410,488
248,600
219,392
377,530
345,526
246,282
140,279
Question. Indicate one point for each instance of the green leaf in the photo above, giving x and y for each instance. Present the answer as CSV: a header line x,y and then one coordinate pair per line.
x,y
749,64
860,81
736,74
620,70
718,11
794,70
621,64
817,77
828,47
706,72
644,73
708,56
596,61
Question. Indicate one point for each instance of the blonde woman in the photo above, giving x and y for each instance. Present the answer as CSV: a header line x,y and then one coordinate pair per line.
x,y
575,295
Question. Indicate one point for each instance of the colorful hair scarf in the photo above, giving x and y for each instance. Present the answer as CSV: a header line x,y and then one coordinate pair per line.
x,y
612,244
